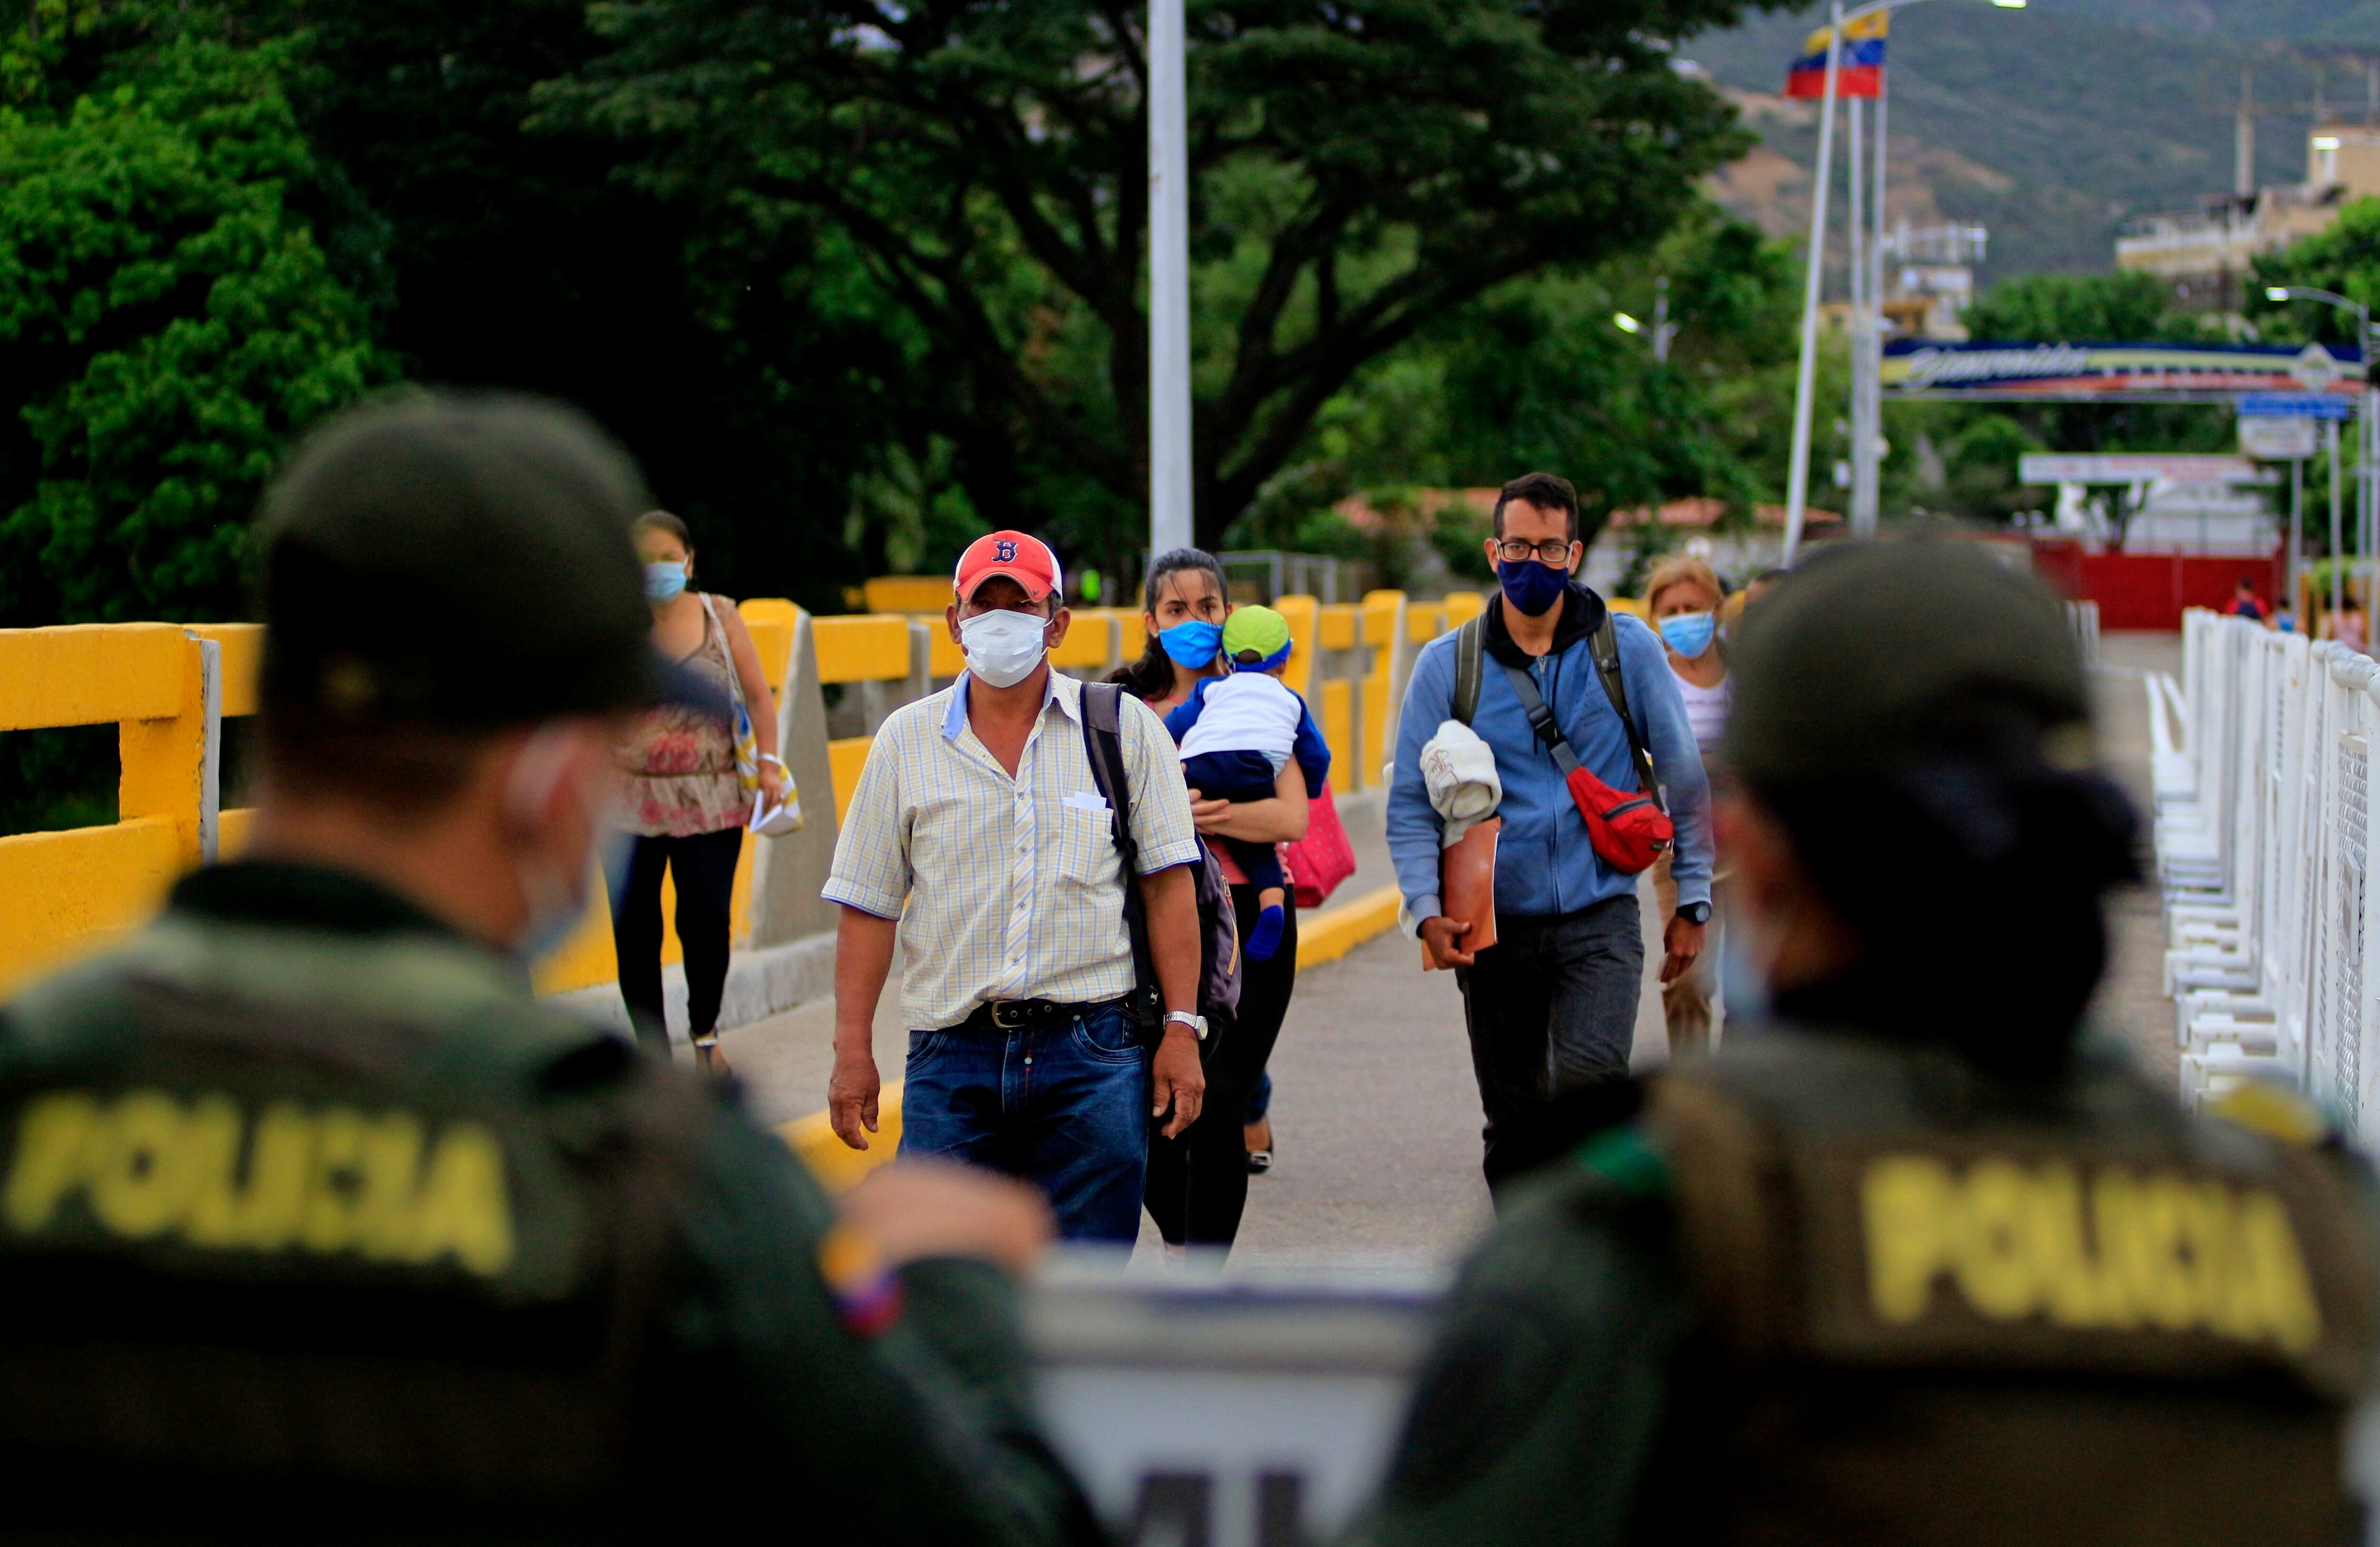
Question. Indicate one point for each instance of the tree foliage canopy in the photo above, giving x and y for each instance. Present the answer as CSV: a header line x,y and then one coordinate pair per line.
x,y
169,322
1361,169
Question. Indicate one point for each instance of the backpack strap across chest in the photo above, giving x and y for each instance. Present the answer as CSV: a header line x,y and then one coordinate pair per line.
x,y
1603,645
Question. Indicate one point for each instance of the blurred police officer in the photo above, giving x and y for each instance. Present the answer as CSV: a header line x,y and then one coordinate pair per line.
x,y
1918,1261
316,1224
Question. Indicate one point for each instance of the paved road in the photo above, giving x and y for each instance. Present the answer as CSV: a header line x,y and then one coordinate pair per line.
x,y
1376,1117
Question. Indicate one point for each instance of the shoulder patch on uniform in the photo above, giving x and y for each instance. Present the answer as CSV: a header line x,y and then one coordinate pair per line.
x,y
2273,1111
1624,1157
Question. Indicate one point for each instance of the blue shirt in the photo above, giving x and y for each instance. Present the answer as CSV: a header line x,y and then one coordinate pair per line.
x,y
1544,862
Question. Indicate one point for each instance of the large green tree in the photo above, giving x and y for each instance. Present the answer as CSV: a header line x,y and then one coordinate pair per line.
x,y
168,322
1361,170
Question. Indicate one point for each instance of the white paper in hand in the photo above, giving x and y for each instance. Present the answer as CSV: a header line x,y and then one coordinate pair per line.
x,y
776,821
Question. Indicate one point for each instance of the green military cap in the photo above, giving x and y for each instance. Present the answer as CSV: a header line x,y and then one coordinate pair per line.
x,y
1846,668
460,561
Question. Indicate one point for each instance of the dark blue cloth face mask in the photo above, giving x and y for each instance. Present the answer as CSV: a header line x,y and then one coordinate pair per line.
x,y
1530,586
1193,644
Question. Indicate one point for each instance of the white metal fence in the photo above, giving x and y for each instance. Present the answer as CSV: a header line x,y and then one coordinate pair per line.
x,y
2262,764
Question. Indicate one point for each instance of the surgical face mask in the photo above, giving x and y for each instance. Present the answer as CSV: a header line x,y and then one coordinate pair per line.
x,y
1689,633
1530,586
1003,647
1193,645
663,581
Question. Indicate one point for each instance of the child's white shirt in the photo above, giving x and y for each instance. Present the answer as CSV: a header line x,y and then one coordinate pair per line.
x,y
1247,711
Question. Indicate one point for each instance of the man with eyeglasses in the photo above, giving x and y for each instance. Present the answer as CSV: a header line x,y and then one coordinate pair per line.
x,y
1551,1007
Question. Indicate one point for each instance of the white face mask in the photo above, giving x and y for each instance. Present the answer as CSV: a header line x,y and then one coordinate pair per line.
x,y
1003,647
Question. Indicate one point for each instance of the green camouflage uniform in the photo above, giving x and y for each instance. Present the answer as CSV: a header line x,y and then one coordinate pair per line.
x,y
318,1227
274,993
1909,1263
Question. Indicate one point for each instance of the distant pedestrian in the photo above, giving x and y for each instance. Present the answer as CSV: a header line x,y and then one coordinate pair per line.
x,y
1198,1180
684,797
2245,603
1683,596
1551,1007
978,836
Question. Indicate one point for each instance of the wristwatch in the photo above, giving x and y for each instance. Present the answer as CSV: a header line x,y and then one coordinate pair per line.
x,y
1197,1024
1695,912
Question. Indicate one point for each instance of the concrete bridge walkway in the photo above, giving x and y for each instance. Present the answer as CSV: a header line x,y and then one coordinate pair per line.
x,y
1375,1118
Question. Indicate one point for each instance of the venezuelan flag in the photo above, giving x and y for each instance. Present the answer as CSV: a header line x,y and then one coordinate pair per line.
x,y
1858,73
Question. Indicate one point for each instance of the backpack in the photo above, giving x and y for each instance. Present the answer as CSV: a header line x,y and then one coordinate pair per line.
x,y
1627,829
1219,925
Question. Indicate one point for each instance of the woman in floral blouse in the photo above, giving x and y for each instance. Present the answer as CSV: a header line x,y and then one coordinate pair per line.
x,y
681,796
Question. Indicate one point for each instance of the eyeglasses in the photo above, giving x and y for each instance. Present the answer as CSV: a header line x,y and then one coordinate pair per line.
x,y
1553,550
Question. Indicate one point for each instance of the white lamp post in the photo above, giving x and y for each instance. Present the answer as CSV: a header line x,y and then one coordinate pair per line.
x,y
2367,438
1170,523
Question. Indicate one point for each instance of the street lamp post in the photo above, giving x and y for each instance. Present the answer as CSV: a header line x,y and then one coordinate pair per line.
x,y
2367,433
1863,442
1169,473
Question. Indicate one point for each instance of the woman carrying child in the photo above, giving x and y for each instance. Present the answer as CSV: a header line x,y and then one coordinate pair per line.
x,y
1198,1183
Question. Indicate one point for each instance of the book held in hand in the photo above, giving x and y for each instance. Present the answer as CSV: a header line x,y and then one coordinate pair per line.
x,y
1466,887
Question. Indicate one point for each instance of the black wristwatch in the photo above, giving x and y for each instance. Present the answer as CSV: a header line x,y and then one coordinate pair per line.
x,y
1695,912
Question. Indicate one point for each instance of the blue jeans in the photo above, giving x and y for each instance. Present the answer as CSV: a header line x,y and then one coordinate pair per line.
x,y
1062,1104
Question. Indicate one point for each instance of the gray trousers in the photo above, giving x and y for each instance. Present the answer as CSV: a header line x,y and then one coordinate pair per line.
x,y
1551,1010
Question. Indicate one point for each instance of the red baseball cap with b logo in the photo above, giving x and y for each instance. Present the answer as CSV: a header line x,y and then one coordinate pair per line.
x,y
1023,559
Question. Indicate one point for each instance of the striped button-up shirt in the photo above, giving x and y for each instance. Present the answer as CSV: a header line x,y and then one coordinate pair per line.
x,y
1006,888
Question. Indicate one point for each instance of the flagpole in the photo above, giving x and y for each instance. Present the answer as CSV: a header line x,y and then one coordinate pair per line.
x,y
1855,239
1874,450
1797,479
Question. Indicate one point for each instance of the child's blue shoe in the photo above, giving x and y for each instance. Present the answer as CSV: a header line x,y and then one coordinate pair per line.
x,y
1265,939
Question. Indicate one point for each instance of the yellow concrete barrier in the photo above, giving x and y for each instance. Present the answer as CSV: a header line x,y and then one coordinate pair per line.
x,y
865,647
847,756
90,674
907,593
1333,932
1304,615
1338,627
1336,712
63,894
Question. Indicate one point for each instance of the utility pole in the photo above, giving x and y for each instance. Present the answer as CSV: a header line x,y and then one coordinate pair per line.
x,y
2243,140
1170,524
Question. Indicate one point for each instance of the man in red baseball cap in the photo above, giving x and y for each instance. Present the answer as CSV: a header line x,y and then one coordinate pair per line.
x,y
980,838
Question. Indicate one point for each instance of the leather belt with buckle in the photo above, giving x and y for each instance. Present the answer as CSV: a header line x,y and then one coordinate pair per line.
x,y
1011,1015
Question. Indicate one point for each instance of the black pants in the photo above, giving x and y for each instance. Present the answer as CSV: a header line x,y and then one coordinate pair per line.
x,y
704,868
1198,1184
1552,1010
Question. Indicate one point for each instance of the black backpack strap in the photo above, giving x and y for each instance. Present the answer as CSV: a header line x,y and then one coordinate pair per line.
x,y
1103,743
1604,644
1470,642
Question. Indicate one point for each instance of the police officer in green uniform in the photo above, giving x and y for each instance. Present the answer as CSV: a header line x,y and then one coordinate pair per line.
x,y
316,1226
1916,1258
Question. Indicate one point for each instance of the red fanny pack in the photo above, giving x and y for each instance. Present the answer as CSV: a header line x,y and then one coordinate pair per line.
x,y
1628,828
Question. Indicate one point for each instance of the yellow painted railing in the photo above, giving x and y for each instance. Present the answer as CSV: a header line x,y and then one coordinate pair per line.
x,y
62,893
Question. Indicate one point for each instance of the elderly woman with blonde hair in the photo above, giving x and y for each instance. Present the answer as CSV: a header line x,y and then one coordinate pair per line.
x,y
1682,599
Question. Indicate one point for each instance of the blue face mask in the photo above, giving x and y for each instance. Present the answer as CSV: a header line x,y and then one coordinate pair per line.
x,y
1689,633
1531,586
1193,644
664,581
